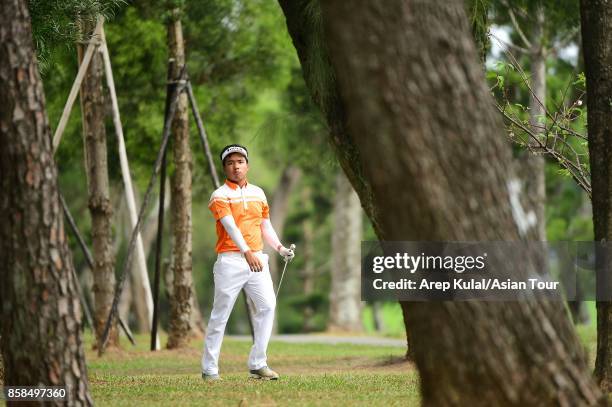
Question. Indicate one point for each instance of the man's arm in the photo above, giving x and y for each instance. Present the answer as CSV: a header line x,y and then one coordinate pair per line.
x,y
272,239
232,229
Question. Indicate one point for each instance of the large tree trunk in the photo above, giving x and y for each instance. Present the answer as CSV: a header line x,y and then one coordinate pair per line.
x,y
100,208
596,18
417,103
180,326
345,294
40,334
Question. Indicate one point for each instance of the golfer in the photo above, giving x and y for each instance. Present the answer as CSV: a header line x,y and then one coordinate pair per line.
x,y
242,214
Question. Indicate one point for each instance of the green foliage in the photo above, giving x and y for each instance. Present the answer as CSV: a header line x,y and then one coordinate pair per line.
x,y
478,11
568,212
56,23
568,215
562,17
295,133
580,80
298,311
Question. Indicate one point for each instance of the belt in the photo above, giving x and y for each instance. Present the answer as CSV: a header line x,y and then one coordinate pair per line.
x,y
236,254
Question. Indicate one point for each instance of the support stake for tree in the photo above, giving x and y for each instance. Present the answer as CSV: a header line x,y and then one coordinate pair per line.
x,y
127,180
136,231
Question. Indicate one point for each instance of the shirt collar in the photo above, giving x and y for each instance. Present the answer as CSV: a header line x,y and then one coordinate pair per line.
x,y
233,185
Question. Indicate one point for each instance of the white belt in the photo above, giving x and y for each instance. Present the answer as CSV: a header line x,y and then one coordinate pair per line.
x,y
236,254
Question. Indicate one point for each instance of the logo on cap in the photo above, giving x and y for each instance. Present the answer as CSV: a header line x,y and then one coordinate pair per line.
x,y
234,149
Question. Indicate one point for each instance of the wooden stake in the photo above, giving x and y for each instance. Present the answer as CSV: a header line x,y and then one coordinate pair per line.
x,y
93,44
141,266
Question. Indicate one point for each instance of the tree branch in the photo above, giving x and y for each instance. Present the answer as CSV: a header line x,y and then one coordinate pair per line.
x,y
510,45
517,27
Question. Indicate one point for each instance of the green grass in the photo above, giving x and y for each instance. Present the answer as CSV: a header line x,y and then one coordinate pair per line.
x,y
312,374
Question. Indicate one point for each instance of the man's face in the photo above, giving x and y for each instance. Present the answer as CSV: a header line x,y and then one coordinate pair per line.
x,y
236,167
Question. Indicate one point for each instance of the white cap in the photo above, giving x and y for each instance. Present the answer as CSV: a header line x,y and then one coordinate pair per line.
x,y
232,150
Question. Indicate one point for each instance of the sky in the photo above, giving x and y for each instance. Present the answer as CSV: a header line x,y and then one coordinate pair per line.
x,y
500,36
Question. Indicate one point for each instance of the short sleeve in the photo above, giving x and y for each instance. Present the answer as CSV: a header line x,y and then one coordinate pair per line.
x,y
219,206
265,212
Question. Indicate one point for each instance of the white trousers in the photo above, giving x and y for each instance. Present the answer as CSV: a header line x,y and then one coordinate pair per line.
x,y
232,274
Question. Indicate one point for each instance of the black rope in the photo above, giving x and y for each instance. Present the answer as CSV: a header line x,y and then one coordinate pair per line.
x,y
158,248
203,136
160,225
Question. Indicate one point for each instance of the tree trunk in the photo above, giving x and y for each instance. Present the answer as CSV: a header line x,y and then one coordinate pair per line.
x,y
578,308
197,322
100,208
417,103
377,316
308,272
41,337
596,19
345,294
531,167
180,326
1,368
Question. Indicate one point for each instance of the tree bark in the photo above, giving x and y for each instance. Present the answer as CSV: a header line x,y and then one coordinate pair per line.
x,y
377,316
345,294
308,273
180,324
415,99
100,208
531,169
596,21
40,334
1,368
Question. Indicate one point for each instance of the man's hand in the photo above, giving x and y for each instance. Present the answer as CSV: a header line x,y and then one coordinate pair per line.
x,y
288,254
253,261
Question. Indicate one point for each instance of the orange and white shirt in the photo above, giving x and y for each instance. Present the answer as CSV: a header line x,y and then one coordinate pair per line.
x,y
248,206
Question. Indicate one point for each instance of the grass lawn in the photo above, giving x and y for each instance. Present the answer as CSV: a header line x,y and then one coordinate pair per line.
x,y
312,374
